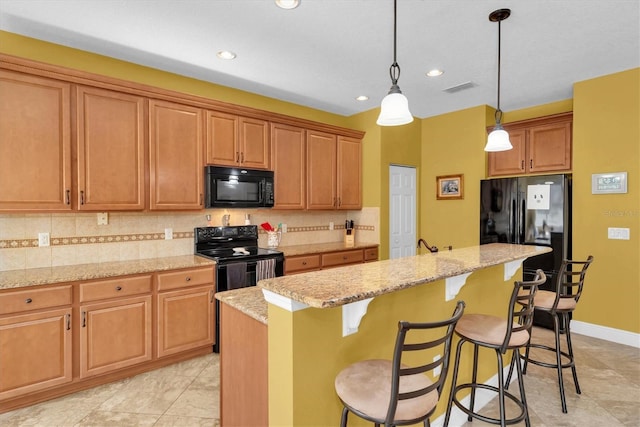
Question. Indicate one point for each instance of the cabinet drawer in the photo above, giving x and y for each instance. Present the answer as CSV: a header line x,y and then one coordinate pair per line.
x,y
34,299
371,254
184,278
114,288
302,263
342,258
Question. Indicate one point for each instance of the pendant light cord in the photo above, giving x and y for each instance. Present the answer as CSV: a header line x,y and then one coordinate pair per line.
x,y
394,70
499,111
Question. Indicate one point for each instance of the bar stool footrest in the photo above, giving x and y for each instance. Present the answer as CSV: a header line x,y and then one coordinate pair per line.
x,y
484,418
569,364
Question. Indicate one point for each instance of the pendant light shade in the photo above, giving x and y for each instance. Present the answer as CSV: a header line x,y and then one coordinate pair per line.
x,y
394,109
498,138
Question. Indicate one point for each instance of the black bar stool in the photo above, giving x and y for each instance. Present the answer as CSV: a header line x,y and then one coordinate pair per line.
x,y
392,393
559,305
501,335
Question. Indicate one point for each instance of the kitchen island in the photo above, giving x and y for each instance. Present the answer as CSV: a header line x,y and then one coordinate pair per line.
x,y
320,322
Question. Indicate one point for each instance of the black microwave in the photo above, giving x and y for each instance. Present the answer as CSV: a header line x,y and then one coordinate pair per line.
x,y
238,188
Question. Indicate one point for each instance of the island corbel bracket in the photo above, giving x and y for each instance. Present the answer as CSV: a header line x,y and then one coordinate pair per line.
x,y
454,284
352,314
511,267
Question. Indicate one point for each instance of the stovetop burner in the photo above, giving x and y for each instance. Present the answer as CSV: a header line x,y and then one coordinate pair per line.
x,y
231,243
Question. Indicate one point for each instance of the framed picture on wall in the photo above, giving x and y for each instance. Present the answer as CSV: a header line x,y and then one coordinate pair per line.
x,y
449,187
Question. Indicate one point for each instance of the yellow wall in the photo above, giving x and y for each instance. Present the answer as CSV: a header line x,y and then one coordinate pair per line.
x,y
606,138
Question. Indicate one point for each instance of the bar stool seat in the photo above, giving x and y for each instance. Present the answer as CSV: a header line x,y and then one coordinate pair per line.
x,y
501,335
392,392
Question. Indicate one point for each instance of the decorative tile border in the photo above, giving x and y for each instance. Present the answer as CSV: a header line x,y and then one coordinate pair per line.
x,y
139,237
83,240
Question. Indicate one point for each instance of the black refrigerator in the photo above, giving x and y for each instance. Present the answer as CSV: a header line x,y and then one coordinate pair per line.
x,y
530,210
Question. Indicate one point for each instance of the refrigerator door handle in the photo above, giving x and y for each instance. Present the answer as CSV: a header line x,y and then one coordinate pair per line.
x,y
522,220
512,222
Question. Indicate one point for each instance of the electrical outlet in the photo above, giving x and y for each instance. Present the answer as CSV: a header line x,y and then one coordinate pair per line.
x,y
103,218
168,233
284,228
43,239
437,369
618,233
331,225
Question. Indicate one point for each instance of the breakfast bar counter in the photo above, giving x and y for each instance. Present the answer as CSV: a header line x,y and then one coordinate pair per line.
x,y
321,321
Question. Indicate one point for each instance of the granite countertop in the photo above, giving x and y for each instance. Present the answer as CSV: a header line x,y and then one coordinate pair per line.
x,y
71,273
249,301
317,248
343,285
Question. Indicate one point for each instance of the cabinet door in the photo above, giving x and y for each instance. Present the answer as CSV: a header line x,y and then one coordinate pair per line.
x,y
176,171
550,147
254,140
288,162
349,169
510,162
35,143
185,320
111,163
114,335
222,139
321,170
35,352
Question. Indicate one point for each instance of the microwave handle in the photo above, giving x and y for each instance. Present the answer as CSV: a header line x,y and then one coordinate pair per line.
x,y
261,187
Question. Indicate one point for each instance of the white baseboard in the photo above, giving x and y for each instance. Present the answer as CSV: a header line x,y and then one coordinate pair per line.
x,y
606,333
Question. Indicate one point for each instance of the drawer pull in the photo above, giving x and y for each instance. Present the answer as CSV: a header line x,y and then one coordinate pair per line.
x,y
344,257
304,262
28,300
188,279
118,288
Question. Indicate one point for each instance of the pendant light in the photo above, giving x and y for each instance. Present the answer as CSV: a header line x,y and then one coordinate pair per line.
x,y
498,138
394,109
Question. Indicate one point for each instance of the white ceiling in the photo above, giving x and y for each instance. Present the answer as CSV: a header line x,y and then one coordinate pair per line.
x,y
326,52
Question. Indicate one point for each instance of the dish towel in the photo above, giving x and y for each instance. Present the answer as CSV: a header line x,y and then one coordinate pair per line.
x,y
236,275
265,269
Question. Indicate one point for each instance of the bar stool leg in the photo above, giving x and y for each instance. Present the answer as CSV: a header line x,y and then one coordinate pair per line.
x,y
500,389
343,419
517,359
556,329
570,350
454,381
474,380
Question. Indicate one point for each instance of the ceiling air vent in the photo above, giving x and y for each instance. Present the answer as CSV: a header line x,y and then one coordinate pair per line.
x,y
459,87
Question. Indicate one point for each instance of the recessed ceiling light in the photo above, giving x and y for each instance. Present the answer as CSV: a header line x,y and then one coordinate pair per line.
x,y
362,98
435,73
226,54
287,4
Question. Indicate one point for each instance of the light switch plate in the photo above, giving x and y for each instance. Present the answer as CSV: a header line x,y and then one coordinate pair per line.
x,y
103,218
284,228
168,233
618,233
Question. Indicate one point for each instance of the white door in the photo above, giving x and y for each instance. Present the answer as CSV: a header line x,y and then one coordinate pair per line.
x,y
402,211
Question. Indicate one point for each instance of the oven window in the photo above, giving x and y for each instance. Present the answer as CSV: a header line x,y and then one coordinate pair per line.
x,y
237,191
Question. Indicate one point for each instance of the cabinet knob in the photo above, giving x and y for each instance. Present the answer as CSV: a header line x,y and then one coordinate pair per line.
x,y
28,300
304,262
344,257
188,279
118,288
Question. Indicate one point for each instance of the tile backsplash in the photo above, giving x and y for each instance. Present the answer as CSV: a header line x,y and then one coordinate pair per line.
x,y
76,238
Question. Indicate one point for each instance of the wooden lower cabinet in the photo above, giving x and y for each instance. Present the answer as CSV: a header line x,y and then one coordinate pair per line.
x,y
244,369
114,335
312,262
186,319
35,352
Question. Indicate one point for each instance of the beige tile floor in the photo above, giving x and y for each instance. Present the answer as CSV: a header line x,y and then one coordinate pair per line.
x,y
186,394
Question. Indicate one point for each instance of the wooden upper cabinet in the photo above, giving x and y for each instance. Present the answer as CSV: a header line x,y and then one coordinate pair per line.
x,y
111,150
539,145
237,141
176,167
321,170
35,143
349,179
288,153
